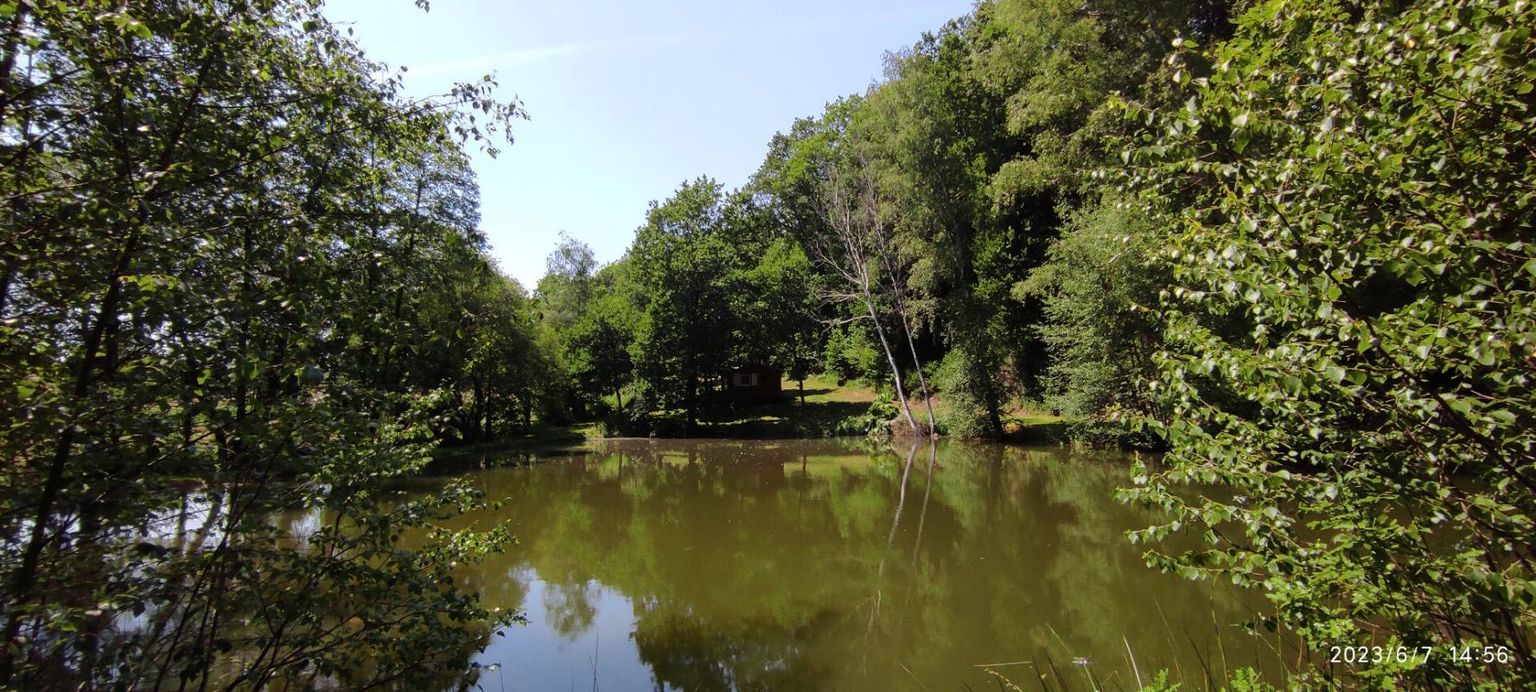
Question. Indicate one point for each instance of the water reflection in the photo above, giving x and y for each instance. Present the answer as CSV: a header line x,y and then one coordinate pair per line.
x,y
818,565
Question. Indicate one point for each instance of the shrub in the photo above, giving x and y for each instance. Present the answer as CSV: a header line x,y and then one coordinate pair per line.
x,y
1351,331
960,413
876,420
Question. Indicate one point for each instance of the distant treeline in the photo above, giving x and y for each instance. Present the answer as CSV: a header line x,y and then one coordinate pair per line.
x,y
964,231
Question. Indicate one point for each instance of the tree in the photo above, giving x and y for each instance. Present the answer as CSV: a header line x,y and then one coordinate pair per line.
x,y
859,251
1100,291
505,371
789,187
682,262
599,346
567,284
823,179
776,314
1349,331
936,134
211,211
1061,66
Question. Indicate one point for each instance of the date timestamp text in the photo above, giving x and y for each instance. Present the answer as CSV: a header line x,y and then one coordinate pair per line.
x,y
1418,654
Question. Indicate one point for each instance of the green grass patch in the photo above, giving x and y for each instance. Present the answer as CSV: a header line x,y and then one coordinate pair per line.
x,y
825,406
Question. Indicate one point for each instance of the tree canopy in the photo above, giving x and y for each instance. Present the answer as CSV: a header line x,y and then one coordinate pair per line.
x,y
234,260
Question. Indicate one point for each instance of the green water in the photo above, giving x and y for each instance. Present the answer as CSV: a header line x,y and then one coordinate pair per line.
x,y
822,565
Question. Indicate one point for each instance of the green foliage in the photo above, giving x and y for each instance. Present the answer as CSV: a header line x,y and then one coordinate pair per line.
x,y
587,323
1056,62
977,149
1350,325
1242,680
233,271
937,135
1099,291
1088,285
707,286
775,311
599,347
568,279
356,605
874,421
682,261
851,354
1248,680
240,274
960,413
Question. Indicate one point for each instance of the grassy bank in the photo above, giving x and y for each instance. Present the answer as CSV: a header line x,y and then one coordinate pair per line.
x,y
825,408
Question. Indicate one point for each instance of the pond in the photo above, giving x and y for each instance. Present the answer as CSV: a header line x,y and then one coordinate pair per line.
x,y
715,565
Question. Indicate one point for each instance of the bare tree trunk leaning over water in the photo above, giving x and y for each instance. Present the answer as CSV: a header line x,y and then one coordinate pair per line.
x,y
894,276
854,218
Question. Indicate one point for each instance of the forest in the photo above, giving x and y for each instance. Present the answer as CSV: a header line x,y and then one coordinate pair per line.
x,y
1285,245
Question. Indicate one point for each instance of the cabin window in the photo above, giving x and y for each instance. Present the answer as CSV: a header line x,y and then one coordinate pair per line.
x,y
746,379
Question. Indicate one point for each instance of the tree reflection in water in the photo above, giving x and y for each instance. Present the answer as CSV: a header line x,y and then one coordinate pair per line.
x,y
821,565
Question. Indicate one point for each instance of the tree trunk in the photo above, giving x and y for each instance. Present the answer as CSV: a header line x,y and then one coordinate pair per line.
x,y
906,329
479,410
994,416
26,574
901,393
689,408
917,363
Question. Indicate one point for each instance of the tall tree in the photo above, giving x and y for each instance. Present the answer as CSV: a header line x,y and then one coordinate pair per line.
x,y
1089,294
860,251
599,343
937,134
682,261
777,313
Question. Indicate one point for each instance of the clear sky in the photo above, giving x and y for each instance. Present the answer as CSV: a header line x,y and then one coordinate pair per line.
x,y
628,99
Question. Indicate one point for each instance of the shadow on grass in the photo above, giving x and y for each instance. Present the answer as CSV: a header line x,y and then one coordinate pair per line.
x,y
783,419
811,391
1036,432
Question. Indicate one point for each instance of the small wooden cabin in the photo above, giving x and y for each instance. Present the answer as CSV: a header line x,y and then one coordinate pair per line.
x,y
755,383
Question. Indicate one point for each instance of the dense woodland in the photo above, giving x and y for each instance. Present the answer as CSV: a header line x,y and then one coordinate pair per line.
x,y
1287,242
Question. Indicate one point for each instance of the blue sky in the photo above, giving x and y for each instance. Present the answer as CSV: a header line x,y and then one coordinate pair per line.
x,y
629,99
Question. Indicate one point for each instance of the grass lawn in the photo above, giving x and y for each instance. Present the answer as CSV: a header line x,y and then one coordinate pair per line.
x,y
1034,428
826,405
